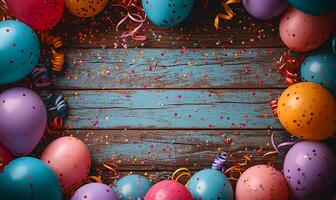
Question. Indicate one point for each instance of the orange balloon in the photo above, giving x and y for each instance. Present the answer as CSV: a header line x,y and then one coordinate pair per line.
x,y
308,111
85,8
70,159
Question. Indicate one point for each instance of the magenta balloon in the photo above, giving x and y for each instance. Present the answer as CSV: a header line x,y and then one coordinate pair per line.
x,y
23,119
309,168
265,9
95,191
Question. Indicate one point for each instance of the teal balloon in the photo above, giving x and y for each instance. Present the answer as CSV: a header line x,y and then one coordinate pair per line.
x,y
29,178
19,51
210,184
320,68
132,187
167,13
314,7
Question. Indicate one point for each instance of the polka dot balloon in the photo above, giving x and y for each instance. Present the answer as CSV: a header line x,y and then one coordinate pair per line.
x,y
168,190
167,13
132,187
85,8
308,111
262,182
19,51
210,184
309,168
38,14
95,191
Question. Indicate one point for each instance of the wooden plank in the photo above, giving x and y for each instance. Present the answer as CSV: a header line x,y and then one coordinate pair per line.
x,y
196,32
165,68
170,109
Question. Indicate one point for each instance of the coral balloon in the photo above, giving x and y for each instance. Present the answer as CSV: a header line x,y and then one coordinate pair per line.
x,y
262,182
303,32
38,14
168,190
29,178
314,7
70,159
85,8
132,187
210,184
95,191
167,13
5,157
23,119
265,9
19,51
309,168
320,68
308,111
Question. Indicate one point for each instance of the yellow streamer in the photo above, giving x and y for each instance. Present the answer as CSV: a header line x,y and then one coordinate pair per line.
x,y
181,172
235,171
270,153
229,12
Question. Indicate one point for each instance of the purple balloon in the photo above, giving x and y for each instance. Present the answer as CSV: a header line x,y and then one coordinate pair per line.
x,y
265,9
95,191
309,168
23,119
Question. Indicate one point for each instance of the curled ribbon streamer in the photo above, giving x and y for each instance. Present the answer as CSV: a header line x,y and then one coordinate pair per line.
x,y
229,12
95,178
179,173
288,64
56,49
57,111
41,76
274,107
270,153
134,17
115,172
276,147
238,169
219,161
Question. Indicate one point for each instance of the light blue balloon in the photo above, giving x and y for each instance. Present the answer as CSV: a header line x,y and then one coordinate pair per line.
x,y
29,178
320,68
210,184
132,187
19,51
167,13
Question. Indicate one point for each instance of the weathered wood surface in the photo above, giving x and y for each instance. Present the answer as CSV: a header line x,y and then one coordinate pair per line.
x,y
171,68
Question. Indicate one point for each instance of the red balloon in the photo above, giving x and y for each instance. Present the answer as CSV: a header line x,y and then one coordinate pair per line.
x,y
303,32
168,190
38,14
5,157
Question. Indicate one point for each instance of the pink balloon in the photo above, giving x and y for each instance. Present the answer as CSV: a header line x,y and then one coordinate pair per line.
x,y
5,157
38,14
70,159
168,190
262,182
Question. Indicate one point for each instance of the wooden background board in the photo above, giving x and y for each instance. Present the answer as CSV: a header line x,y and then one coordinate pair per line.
x,y
174,100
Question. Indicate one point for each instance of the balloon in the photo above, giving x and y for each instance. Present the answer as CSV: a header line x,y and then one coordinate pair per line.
x,y
132,187
302,32
85,8
265,9
168,190
262,182
167,13
5,157
314,7
19,51
70,159
23,119
95,191
38,14
320,68
309,168
307,111
210,184
29,178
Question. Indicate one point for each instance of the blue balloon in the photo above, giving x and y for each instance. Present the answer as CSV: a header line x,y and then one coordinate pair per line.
x,y
29,178
210,184
167,13
320,68
314,7
19,51
132,187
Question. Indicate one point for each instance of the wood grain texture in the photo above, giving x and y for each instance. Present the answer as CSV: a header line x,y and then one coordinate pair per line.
x,y
171,68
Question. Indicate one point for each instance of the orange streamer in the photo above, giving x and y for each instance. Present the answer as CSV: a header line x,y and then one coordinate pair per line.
x,y
229,12
235,171
181,172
